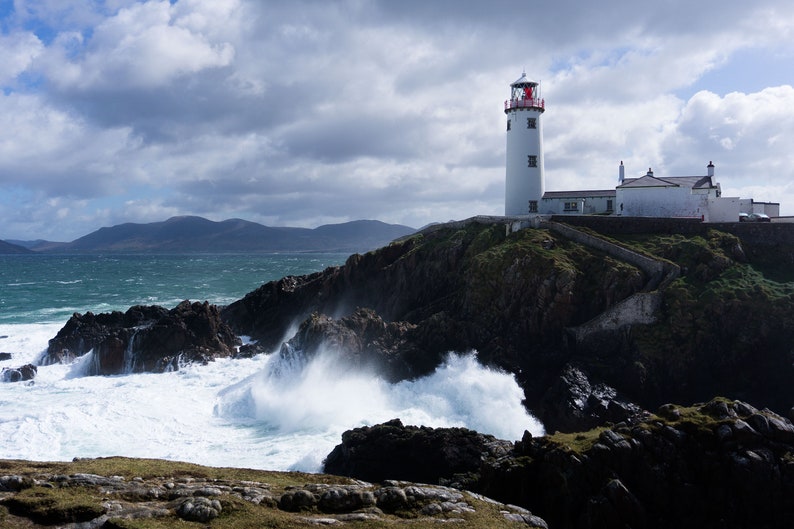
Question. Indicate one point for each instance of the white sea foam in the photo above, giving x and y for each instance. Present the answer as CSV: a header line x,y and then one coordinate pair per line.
x,y
263,412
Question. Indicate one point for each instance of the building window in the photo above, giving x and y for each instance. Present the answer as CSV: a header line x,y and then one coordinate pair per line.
x,y
533,206
532,161
532,123
609,205
508,124
571,206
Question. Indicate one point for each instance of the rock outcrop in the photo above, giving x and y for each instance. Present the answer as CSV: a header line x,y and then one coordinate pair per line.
x,y
364,340
470,287
18,374
722,328
719,464
45,497
145,338
428,455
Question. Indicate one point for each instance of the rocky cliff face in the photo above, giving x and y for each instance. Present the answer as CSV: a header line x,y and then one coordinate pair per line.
x,y
723,328
144,339
721,464
509,297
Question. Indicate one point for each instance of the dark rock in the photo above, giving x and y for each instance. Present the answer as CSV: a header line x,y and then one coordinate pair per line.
x,y
298,500
363,340
573,403
144,339
5,356
15,483
514,298
427,455
19,374
702,466
341,499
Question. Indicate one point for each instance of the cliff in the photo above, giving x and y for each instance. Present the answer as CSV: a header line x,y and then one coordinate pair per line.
x,y
720,464
722,327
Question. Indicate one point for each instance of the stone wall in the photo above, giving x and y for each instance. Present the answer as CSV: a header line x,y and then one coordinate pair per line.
x,y
759,234
658,271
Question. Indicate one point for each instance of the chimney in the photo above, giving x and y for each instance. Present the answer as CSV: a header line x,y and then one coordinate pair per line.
x,y
650,172
621,173
710,168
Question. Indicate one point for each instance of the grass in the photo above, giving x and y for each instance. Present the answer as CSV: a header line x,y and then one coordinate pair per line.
x,y
577,442
43,506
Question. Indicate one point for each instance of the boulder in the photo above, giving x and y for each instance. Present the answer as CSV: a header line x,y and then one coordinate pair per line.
x,y
145,338
19,374
427,455
574,403
363,339
5,356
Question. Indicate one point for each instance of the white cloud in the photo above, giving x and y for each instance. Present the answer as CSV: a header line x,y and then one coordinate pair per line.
x,y
142,46
308,112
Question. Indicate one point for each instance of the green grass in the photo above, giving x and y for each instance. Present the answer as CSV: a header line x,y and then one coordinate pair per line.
x,y
48,506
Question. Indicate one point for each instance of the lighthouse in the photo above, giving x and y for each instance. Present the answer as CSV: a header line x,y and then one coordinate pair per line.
x,y
524,179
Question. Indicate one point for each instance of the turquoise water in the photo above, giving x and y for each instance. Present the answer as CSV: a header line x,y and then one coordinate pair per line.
x,y
49,288
262,412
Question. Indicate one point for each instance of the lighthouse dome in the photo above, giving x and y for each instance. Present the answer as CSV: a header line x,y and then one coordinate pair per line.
x,y
523,81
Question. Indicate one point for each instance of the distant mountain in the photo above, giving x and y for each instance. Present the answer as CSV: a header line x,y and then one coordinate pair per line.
x,y
197,234
9,248
39,245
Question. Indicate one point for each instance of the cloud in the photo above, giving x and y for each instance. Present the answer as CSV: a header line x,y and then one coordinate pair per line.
x,y
304,112
144,46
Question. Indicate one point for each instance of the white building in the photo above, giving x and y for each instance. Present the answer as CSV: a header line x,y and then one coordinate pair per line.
x,y
697,196
673,196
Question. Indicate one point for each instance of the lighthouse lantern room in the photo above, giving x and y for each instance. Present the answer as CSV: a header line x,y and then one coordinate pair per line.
x,y
524,181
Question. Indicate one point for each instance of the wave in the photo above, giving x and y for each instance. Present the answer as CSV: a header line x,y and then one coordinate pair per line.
x,y
276,412
292,394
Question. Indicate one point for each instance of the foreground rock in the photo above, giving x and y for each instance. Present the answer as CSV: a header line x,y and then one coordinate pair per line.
x,y
70,496
722,464
18,374
145,338
432,455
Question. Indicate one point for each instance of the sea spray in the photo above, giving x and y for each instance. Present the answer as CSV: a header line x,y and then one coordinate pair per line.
x,y
262,412
317,396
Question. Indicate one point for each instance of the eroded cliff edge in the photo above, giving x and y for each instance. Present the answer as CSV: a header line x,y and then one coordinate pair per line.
x,y
723,327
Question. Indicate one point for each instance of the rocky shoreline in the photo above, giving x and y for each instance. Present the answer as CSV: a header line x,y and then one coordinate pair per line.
x,y
722,325
64,495
720,464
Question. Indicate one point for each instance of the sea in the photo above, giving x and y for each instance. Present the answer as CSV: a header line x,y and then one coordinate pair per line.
x,y
264,412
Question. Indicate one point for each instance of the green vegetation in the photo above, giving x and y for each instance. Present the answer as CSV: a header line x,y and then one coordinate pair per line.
x,y
50,504
577,442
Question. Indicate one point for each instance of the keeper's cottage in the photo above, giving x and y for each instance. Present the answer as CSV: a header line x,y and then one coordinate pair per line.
x,y
644,196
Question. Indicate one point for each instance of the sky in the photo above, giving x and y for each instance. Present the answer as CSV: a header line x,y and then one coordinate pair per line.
x,y
313,112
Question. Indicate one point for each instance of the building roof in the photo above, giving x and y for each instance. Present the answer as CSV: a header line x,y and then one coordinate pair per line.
x,y
579,194
523,81
691,182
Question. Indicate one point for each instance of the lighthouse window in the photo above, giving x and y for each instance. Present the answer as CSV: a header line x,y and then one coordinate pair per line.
x,y
533,206
571,206
508,124
532,161
532,123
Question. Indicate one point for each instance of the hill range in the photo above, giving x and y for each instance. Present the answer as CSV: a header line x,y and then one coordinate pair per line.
x,y
197,234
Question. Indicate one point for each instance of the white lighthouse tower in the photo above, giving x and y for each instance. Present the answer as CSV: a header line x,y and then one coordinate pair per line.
x,y
524,181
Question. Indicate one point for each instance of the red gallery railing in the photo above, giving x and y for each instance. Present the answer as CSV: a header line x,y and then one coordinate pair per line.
x,y
525,103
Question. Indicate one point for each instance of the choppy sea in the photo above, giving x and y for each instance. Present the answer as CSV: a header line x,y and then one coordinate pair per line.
x,y
255,413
